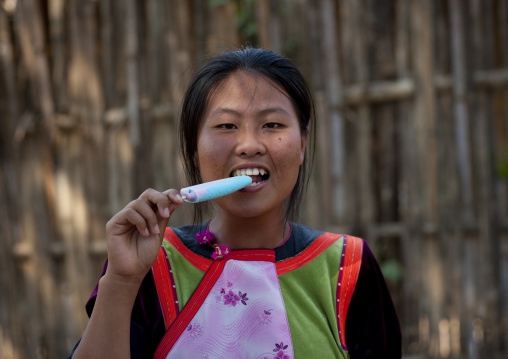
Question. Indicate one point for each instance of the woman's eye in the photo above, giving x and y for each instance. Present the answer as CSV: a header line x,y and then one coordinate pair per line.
x,y
227,126
272,125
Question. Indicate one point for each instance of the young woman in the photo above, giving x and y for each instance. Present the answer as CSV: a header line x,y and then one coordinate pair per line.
x,y
249,283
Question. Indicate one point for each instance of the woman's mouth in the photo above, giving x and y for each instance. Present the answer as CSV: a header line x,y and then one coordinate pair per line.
x,y
258,175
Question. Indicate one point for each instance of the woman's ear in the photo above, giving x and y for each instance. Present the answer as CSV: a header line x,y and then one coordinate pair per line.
x,y
196,160
305,138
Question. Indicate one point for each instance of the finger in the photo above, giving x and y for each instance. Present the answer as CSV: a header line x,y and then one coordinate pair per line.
x,y
175,199
147,212
124,220
162,201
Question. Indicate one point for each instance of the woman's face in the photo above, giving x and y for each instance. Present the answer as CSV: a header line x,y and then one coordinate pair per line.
x,y
250,125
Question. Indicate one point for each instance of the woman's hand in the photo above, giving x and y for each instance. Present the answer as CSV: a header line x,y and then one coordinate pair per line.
x,y
134,235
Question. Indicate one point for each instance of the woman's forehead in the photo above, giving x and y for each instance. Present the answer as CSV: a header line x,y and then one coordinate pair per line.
x,y
244,88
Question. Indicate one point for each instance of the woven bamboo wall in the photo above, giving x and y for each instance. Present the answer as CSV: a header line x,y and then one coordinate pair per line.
x,y
412,147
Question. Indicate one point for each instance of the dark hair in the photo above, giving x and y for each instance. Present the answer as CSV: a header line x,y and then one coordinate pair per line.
x,y
277,69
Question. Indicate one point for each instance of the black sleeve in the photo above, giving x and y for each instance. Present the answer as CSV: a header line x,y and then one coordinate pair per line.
x,y
372,325
140,346
147,323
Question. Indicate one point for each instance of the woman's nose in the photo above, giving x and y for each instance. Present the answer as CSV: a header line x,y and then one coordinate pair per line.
x,y
249,143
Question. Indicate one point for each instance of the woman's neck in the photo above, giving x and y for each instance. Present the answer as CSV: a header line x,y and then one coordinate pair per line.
x,y
250,233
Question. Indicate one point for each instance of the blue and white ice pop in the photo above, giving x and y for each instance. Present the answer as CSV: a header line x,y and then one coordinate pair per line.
x,y
214,189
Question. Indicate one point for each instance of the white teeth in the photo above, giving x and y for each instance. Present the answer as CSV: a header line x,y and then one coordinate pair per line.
x,y
253,184
250,172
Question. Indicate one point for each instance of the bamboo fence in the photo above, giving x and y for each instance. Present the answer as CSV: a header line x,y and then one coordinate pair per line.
x,y
412,147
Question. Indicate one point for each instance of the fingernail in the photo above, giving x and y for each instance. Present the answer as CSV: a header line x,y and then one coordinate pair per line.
x,y
146,233
166,212
156,229
179,197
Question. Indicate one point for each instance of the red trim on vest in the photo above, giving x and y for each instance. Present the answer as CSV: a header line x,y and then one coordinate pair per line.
x,y
190,309
348,275
267,255
196,260
165,285
316,248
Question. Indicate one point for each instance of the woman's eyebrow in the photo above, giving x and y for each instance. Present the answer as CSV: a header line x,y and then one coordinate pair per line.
x,y
277,110
223,110
264,112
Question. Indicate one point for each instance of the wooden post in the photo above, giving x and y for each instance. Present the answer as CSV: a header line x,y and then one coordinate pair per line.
x,y
465,204
30,27
57,39
502,186
108,51
131,57
334,98
323,137
263,22
354,36
225,36
425,209
410,241
10,325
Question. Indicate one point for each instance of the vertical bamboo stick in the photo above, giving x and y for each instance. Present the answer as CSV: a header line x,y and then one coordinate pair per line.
x,y
131,57
358,30
30,26
8,68
489,236
107,58
10,325
502,13
155,12
323,131
425,145
263,23
410,239
460,109
462,136
225,35
334,94
57,39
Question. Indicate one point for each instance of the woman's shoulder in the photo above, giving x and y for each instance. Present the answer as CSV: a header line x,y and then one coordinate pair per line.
x,y
303,239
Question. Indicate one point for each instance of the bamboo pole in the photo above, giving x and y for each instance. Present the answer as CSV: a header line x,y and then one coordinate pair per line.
x,y
425,145
8,68
410,240
322,129
462,135
56,9
225,36
106,35
488,221
334,99
502,22
30,28
131,57
10,326
461,110
155,12
356,28
263,23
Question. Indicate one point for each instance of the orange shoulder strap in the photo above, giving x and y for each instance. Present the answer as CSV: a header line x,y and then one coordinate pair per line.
x,y
348,275
165,286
